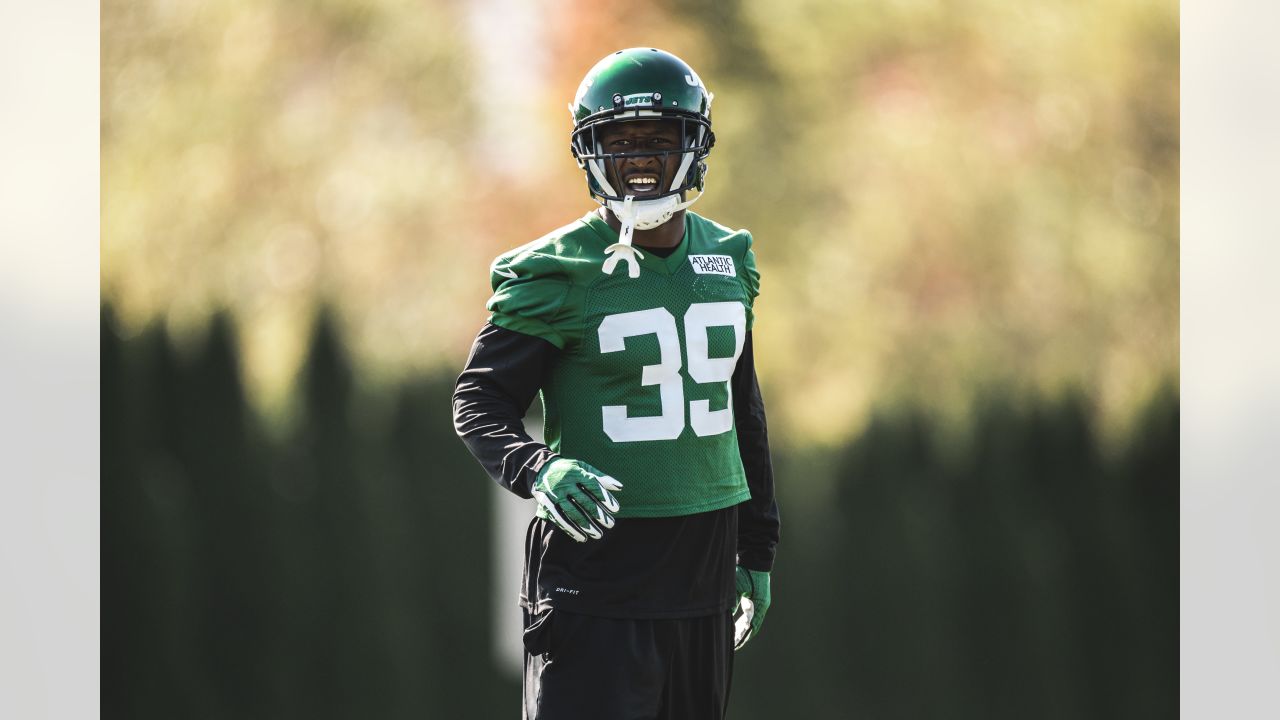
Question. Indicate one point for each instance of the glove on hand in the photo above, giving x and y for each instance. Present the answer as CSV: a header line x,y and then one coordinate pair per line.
x,y
753,603
576,497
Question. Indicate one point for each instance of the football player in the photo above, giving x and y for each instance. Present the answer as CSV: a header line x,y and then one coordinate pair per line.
x,y
647,563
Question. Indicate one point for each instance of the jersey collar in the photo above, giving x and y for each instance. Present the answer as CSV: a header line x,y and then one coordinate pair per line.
x,y
665,265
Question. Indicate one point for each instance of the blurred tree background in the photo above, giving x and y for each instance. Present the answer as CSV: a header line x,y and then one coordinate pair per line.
x,y
966,214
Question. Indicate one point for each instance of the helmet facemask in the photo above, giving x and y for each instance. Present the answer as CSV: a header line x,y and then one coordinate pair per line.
x,y
683,169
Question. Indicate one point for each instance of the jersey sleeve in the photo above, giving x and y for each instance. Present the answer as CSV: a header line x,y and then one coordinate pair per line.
x,y
759,526
750,277
490,399
530,294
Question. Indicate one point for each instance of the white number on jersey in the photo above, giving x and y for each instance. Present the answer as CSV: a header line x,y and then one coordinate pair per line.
x,y
698,320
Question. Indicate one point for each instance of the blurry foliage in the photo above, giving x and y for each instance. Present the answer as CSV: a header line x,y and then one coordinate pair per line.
x,y
966,214
328,573
1027,575
948,197
312,576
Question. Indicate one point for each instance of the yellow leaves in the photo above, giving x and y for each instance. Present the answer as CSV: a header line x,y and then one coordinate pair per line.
x,y
939,197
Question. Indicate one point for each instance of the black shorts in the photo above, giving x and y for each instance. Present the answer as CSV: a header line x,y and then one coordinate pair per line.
x,y
582,667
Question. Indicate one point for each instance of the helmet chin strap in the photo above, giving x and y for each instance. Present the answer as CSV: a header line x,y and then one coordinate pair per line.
x,y
642,215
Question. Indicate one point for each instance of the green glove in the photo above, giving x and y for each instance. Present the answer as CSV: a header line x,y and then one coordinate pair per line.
x,y
753,603
576,497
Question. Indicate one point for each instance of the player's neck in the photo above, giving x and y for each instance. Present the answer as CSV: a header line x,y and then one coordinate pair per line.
x,y
667,235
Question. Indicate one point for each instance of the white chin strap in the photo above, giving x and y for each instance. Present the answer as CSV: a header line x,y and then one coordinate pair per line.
x,y
638,215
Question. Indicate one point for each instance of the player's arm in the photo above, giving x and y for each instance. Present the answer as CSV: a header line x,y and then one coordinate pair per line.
x,y
758,521
759,525
492,395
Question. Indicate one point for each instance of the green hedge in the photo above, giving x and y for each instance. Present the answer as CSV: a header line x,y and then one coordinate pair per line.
x,y
1026,574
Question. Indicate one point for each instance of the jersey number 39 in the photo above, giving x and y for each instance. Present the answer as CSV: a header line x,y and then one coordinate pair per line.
x,y
666,374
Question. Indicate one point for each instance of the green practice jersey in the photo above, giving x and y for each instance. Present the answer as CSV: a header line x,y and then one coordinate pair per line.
x,y
641,388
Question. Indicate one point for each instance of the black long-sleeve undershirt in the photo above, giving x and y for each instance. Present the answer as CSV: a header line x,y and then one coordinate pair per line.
x,y
758,521
503,375
492,395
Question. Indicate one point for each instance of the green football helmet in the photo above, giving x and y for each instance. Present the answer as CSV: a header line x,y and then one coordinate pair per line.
x,y
643,84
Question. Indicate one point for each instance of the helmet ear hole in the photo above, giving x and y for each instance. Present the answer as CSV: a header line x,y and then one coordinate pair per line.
x,y
577,154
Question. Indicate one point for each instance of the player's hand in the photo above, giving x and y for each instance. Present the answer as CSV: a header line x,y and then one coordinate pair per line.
x,y
577,498
753,603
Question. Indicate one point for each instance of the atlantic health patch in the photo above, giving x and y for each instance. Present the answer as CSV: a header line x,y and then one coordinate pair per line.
x,y
712,265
